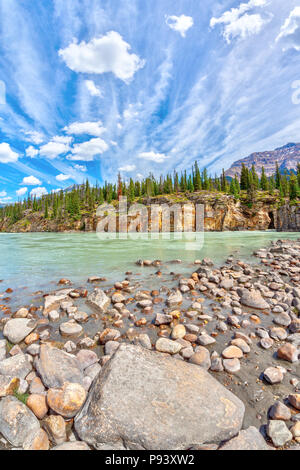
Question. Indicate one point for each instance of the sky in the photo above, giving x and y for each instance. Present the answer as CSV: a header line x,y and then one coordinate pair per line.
x,y
90,88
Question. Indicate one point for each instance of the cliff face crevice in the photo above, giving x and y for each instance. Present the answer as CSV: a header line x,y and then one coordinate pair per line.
x,y
221,213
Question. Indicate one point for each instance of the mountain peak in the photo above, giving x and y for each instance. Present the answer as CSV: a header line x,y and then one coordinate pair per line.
x,y
287,157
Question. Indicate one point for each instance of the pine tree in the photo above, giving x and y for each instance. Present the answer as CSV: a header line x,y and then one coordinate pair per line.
x,y
264,184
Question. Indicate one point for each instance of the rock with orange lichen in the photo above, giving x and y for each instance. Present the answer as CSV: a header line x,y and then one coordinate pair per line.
x,y
67,400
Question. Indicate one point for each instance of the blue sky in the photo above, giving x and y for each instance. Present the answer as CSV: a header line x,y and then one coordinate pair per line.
x,y
93,87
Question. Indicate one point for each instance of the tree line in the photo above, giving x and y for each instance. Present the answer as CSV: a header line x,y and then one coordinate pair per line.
x,y
84,198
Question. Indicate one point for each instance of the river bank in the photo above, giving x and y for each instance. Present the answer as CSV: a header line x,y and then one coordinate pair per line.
x,y
239,320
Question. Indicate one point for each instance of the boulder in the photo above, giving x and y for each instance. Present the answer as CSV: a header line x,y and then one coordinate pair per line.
x,y
250,439
17,422
56,367
17,329
159,404
16,366
98,300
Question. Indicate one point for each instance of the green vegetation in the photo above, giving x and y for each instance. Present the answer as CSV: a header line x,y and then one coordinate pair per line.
x,y
23,397
81,200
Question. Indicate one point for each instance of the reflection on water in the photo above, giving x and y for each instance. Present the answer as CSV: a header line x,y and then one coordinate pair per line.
x,y
35,259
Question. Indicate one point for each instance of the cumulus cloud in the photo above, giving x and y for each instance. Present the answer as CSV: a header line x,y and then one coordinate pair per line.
x,y
289,35
87,151
31,181
181,23
153,157
7,155
127,168
38,192
31,152
59,145
90,128
22,191
35,137
93,89
62,177
238,23
109,53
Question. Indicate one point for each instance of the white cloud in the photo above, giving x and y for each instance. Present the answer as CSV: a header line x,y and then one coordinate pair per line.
x,y
153,157
38,192
127,168
36,137
31,152
59,145
109,53
89,128
56,190
31,181
238,23
88,150
22,191
81,168
7,155
62,139
290,31
62,177
181,23
130,112
5,200
93,89
3,193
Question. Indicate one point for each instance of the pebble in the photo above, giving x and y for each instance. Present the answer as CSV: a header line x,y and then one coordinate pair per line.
x,y
70,328
232,366
279,433
167,346
68,400
201,358
273,375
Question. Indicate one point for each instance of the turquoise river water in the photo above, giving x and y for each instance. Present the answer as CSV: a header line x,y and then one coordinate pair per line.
x,y
36,260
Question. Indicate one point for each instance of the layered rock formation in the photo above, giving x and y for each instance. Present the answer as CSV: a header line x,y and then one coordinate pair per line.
x,y
221,213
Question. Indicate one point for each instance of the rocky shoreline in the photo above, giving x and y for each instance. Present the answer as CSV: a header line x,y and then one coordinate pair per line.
x,y
209,361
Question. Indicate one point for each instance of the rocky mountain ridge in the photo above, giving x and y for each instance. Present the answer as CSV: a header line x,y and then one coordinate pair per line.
x,y
287,157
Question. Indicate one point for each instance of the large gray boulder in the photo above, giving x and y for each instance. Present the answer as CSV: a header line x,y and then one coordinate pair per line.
x,y
16,366
56,367
250,439
17,329
146,400
98,300
17,422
